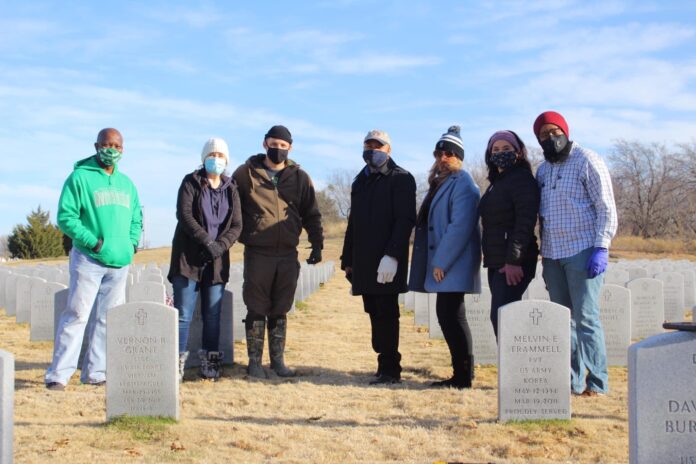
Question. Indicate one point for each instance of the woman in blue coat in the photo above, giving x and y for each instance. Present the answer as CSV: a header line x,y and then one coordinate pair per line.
x,y
447,251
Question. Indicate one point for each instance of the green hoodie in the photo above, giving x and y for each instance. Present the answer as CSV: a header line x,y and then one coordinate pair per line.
x,y
94,205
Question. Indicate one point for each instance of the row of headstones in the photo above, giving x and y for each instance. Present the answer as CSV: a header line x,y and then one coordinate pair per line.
x,y
631,310
34,300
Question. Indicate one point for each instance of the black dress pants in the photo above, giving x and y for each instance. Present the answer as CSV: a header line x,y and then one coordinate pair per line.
x,y
451,314
502,293
384,318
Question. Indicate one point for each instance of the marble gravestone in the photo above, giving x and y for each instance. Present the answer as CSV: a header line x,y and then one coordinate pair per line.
x,y
662,399
533,361
537,290
647,307
4,273
142,358
637,272
421,312
478,314
410,301
673,293
434,329
616,276
23,304
226,342
45,298
7,380
147,291
615,316
689,287
11,294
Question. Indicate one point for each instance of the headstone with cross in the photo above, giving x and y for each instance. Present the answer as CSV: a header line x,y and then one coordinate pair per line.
x,y
142,357
533,361
478,315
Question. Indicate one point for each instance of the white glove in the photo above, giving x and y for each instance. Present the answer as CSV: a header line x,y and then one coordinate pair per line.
x,y
386,270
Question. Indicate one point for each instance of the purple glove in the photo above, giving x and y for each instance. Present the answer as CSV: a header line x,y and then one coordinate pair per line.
x,y
597,262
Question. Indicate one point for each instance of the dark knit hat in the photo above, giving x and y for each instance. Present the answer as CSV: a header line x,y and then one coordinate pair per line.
x,y
279,132
452,142
551,117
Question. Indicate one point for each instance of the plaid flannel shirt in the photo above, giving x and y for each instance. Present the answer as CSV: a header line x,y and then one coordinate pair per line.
x,y
577,208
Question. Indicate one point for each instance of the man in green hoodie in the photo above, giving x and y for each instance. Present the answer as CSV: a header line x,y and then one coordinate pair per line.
x,y
100,211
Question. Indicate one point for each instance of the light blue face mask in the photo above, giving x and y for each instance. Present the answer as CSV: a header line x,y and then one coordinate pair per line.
x,y
215,165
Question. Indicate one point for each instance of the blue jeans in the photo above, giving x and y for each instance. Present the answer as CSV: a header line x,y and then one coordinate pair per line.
x,y
91,285
569,285
185,296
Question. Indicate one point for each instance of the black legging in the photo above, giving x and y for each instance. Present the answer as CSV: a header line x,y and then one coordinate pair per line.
x,y
451,315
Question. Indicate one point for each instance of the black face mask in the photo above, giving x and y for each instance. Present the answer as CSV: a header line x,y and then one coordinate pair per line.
x,y
556,148
277,155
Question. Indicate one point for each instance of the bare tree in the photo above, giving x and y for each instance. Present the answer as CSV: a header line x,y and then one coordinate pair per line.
x,y
648,187
338,190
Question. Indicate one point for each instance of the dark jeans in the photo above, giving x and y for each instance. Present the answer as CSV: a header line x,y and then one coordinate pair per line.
x,y
502,293
270,282
384,318
451,314
185,296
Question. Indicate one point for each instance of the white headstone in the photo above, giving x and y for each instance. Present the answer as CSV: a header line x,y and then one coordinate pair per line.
x,y
637,272
147,291
647,307
142,359
673,293
689,287
43,304
537,290
3,276
421,314
227,325
615,316
151,277
434,329
534,361
410,301
478,314
7,380
661,399
23,305
11,294
616,276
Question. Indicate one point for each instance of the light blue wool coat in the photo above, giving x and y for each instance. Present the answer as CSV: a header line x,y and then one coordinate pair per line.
x,y
451,240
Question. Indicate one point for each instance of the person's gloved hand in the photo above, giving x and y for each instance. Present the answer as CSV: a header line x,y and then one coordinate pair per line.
x,y
314,256
386,270
597,262
213,250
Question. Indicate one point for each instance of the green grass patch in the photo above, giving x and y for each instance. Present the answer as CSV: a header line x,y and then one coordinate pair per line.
x,y
141,427
301,306
547,425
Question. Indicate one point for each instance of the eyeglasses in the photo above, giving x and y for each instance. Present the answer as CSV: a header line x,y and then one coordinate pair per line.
x,y
543,135
441,153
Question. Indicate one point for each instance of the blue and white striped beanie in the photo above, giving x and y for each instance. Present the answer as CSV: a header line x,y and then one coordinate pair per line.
x,y
452,142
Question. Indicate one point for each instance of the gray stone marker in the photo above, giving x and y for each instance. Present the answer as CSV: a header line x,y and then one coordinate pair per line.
x,y
673,293
142,360
410,301
637,272
151,277
23,304
147,291
647,307
478,314
689,287
661,399
434,329
615,315
3,276
534,361
616,276
227,323
44,299
7,380
11,294
421,314
537,290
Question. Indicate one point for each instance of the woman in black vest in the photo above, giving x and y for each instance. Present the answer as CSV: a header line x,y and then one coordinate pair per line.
x,y
508,210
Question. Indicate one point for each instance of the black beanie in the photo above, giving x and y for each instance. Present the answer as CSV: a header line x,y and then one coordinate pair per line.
x,y
279,132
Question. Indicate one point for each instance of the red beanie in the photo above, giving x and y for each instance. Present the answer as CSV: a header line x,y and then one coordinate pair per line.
x,y
550,117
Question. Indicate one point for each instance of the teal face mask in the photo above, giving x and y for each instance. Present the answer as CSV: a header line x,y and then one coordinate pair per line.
x,y
109,156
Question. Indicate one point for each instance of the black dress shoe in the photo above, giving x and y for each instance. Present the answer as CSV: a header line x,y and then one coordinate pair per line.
x,y
55,386
452,383
385,379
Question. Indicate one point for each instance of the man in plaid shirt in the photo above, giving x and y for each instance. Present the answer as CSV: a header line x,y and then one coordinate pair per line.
x,y
578,220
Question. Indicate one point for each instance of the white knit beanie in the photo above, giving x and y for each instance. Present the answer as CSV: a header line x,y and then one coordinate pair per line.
x,y
215,145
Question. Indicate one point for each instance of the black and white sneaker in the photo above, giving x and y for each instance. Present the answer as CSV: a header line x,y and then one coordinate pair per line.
x,y
211,364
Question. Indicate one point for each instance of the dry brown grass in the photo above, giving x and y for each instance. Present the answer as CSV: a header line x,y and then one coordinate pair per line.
x,y
329,414
632,247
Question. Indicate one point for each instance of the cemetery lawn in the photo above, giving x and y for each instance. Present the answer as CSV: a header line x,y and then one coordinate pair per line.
x,y
326,415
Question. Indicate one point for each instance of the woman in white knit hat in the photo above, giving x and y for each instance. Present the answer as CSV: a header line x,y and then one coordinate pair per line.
x,y
209,222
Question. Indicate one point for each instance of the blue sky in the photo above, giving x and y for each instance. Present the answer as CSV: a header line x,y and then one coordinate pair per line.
x,y
170,75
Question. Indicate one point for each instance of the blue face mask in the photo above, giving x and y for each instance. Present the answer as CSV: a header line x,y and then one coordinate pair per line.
x,y
215,165
375,158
